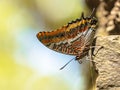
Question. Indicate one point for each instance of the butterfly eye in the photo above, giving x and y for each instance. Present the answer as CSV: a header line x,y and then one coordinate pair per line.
x,y
93,21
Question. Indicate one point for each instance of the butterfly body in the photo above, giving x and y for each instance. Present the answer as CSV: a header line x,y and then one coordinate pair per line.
x,y
75,38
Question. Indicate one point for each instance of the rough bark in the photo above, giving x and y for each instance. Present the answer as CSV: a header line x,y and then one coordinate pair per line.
x,y
108,15
107,63
107,60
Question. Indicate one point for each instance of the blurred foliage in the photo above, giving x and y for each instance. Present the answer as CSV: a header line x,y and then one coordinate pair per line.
x,y
12,75
56,13
16,16
48,83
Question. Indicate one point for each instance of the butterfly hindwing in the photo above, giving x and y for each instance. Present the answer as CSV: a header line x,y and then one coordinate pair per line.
x,y
70,39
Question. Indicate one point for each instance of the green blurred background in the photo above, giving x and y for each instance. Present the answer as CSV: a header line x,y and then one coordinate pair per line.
x,y
25,64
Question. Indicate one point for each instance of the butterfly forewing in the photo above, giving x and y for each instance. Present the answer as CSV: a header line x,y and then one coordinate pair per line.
x,y
72,38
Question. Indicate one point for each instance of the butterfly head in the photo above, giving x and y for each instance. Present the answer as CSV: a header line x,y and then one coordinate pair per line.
x,y
93,22
90,21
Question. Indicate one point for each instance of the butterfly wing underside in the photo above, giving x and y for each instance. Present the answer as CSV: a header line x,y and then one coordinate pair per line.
x,y
72,38
67,40
62,45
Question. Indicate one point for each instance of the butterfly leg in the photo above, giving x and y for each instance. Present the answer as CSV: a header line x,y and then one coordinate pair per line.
x,y
77,58
80,61
92,49
93,46
91,52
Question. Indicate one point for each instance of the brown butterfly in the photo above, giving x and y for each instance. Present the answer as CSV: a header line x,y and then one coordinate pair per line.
x,y
75,38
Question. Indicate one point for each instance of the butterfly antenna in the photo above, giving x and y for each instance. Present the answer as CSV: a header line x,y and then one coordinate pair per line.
x,y
92,13
66,64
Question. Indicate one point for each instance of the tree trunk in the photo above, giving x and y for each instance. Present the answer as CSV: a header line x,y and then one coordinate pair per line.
x,y
107,59
107,63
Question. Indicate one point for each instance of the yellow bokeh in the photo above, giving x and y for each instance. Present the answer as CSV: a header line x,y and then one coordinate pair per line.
x,y
17,16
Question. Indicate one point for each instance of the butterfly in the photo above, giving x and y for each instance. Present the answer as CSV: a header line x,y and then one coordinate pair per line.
x,y
75,38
